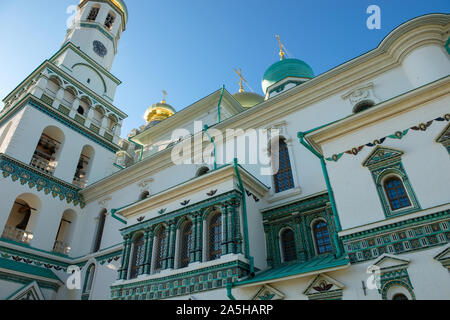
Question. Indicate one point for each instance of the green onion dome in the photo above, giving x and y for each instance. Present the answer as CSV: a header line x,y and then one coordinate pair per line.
x,y
286,68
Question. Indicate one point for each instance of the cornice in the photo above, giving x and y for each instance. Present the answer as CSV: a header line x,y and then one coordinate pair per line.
x,y
386,110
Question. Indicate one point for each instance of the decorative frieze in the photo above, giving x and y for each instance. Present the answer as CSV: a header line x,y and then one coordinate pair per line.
x,y
196,281
406,236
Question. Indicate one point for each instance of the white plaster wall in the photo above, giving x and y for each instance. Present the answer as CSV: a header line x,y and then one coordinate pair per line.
x,y
355,191
27,135
426,64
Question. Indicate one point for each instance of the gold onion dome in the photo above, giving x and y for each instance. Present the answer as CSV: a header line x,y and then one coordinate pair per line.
x,y
158,112
248,99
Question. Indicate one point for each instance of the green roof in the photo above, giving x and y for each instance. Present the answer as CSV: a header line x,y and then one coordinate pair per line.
x,y
320,263
28,269
286,68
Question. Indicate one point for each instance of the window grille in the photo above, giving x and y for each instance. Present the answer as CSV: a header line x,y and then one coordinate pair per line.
x,y
186,245
283,179
215,237
138,256
109,21
322,238
396,193
288,245
93,14
161,248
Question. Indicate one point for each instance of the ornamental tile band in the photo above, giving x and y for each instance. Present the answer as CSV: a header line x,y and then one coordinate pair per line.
x,y
26,175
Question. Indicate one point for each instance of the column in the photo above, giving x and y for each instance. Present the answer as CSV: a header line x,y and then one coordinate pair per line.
x,y
172,241
194,217
104,125
59,98
269,245
236,227
225,229
149,251
123,272
142,265
199,238
301,255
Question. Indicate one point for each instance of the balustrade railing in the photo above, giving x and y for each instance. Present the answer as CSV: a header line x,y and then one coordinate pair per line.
x,y
42,164
17,235
61,247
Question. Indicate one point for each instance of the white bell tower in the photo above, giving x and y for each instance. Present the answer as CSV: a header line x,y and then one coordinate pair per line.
x,y
97,28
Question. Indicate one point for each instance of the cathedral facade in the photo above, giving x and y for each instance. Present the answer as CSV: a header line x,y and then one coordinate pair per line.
x,y
352,204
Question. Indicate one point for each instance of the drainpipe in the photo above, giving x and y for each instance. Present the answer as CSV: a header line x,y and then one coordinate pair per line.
x,y
244,214
220,103
214,144
301,136
115,216
229,291
140,146
118,166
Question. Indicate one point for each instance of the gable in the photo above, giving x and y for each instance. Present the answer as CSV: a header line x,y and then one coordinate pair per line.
x,y
29,292
382,155
389,262
268,293
323,287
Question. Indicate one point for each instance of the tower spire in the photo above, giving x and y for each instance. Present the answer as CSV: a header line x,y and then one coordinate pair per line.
x,y
282,53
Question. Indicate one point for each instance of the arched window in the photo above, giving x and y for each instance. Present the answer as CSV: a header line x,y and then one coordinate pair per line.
x,y
88,282
83,169
99,233
65,232
186,242
363,106
93,13
161,246
215,237
137,258
288,245
322,237
396,193
22,219
283,179
110,20
99,113
46,154
399,296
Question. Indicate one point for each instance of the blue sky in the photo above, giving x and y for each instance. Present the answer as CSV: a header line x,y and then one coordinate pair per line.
x,y
190,48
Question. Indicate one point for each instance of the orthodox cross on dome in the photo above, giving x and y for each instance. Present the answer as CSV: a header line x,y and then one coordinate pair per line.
x,y
164,96
241,81
282,53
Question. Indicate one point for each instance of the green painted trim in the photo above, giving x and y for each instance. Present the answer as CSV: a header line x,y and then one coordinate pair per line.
x,y
180,212
115,216
27,269
403,237
25,174
209,278
220,103
229,287
244,214
139,145
30,100
320,263
301,136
